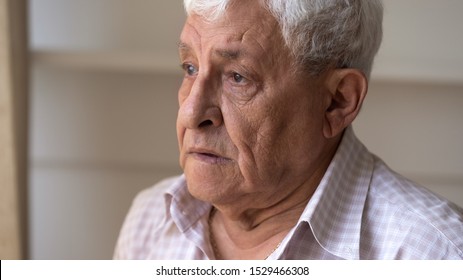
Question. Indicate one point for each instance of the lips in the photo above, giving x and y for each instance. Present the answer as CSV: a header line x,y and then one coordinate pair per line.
x,y
208,156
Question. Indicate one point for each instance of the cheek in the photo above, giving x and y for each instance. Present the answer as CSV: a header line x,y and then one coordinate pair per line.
x,y
184,90
278,138
182,95
255,132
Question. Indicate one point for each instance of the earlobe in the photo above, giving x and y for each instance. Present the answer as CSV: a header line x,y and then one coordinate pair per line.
x,y
347,89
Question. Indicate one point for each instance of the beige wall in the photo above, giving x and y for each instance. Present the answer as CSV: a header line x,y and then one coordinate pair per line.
x,y
104,105
415,128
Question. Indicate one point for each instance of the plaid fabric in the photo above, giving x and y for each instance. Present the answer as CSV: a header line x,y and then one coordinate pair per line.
x,y
360,210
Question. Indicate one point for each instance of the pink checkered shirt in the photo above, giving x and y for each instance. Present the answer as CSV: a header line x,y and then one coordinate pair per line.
x,y
360,210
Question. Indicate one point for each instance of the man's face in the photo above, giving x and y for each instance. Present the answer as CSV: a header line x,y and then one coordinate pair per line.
x,y
249,127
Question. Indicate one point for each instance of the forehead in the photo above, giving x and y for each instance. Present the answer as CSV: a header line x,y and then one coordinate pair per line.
x,y
249,29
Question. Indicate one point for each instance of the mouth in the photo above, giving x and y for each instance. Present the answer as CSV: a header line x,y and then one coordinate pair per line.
x,y
209,157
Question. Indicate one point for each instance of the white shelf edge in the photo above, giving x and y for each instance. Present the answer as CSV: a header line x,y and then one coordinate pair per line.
x,y
92,164
109,61
415,70
385,70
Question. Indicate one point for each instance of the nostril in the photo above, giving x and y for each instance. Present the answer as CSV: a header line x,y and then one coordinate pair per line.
x,y
206,123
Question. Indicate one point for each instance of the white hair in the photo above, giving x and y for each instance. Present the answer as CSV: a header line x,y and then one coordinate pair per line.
x,y
319,33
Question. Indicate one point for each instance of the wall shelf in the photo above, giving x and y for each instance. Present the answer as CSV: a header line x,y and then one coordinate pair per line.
x,y
150,62
417,71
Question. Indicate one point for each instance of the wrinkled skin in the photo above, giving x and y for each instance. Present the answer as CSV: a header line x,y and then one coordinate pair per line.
x,y
250,127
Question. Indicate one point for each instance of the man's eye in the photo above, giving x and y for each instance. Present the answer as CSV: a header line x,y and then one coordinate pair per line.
x,y
238,78
189,69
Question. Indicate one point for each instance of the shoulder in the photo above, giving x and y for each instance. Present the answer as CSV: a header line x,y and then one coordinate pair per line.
x,y
410,220
147,212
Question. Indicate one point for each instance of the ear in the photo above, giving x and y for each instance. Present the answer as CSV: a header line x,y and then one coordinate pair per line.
x,y
347,89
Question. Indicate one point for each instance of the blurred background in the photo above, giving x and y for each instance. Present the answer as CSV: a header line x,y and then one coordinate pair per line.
x,y
102,102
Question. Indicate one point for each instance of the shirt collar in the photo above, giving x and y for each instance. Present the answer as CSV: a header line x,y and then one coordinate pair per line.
x,y
182,207
334,212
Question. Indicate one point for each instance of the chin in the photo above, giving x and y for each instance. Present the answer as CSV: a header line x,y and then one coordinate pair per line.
x,y
211,188
201,185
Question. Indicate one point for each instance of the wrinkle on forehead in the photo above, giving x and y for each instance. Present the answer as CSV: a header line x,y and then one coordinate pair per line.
x,y
241,17
257,31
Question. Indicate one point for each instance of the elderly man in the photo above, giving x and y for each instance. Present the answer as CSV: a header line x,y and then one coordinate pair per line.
x,y
272,168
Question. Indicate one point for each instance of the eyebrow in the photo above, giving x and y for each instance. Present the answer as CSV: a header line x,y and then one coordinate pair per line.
x,y
229,54
183,47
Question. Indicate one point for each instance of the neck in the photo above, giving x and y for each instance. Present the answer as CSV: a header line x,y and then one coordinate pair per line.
x,y
258,243
257,232
254,233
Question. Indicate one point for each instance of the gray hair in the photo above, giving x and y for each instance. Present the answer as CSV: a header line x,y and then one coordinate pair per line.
x,y
319,33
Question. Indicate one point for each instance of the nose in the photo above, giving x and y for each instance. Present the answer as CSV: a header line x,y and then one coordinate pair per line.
x,y
199,108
